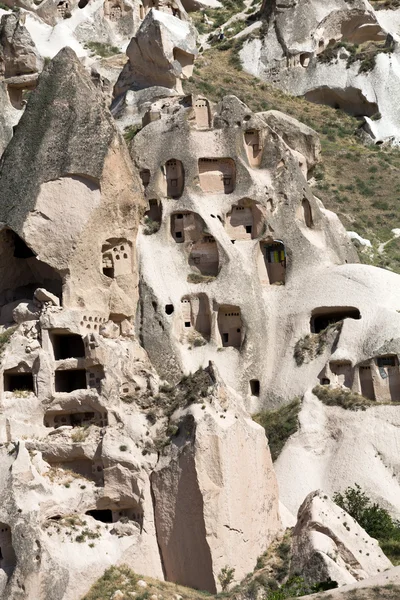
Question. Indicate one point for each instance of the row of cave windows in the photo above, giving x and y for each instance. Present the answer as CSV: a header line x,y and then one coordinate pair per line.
x,y
65,381
378,379
216,175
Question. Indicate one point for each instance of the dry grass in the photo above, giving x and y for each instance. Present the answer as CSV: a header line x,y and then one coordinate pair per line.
x,y
358,182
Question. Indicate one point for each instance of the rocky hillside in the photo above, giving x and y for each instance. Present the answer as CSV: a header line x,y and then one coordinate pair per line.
x,y
199,358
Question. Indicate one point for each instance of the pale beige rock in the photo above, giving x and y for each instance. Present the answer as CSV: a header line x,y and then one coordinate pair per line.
x,y
328,543
208,513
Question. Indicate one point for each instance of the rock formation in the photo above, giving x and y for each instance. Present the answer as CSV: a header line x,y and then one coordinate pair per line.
x,y
329,544
161,54
155,294
341,54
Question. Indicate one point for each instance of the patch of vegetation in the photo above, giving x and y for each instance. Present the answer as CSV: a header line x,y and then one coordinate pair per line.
x,y
80,434
312,345
150,226
103,50
376,520
199,278
115,578
4,6
333,396
22,393
218,16
225,577
131,131
279,425
345,158
5,337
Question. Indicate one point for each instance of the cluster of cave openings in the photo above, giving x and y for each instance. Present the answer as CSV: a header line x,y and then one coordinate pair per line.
x,y
253,143
67,345
116,258
154,213
196,315
21,273
8,560
274,258
75,419
16,380
217,175
202,113
63,8
113,9
244,221
230,326
174,178
324,316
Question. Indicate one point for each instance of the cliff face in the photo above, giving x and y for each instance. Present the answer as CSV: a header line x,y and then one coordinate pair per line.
x,y
156,290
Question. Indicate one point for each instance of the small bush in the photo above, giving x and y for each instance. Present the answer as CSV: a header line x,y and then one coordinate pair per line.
x,y
225,577
150,226
80,434
123,448
198,278
5,337
131,131
312,345
103,50
279,425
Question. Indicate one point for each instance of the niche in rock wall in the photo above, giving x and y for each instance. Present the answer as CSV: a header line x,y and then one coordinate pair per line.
x,y
75,418
343,373
21,273
95,375
307,212
116,258
366,381
388,378
196,318
106,515
244,221
84,467
70,380
324,316
253,144
8,559
202,113
230,326
63,9
66,345
273,262
350,99
186,61
254,387
155,211
174,178
204,256
18,381
113,9
217,175
186,227
145,177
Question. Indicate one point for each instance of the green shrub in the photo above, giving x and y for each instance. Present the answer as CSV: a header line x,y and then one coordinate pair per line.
x,y
150,226
131,131
279,425
225,577
103,50
5,337
312,345
376,520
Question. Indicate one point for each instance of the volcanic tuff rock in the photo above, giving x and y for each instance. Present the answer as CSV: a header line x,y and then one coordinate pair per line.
x,y
338,53
161,54
328,543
